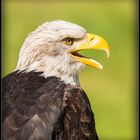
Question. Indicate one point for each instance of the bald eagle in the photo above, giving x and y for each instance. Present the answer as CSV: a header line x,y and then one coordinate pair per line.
x,y
42,98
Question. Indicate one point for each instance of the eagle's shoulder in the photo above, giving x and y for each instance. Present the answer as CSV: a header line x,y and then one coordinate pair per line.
x,y
31,105
24,88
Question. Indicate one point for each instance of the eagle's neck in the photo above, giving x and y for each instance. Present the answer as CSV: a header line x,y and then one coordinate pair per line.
x,y
59,67
66,77
76,79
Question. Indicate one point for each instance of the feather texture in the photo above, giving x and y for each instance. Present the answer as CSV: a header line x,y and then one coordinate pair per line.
x,y
38,108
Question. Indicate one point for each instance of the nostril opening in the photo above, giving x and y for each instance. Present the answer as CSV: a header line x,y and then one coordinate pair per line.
x,y
91,39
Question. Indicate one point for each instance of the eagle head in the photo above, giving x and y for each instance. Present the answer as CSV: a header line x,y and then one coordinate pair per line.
x,y
53,50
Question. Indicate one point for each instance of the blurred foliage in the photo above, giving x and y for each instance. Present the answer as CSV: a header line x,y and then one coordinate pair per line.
x,y
113,90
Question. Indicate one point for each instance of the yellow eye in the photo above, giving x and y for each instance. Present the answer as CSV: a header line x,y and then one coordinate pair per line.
x,y
68,41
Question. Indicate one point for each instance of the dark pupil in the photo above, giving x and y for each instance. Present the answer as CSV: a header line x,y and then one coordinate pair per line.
x,y
69,40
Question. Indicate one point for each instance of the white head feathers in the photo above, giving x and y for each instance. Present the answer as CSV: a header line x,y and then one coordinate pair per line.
x,y
45,51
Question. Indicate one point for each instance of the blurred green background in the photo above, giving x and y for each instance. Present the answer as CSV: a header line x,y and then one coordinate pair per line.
x,y
112,91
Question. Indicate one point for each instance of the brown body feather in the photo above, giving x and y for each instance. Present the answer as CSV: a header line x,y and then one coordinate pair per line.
x,y
35,108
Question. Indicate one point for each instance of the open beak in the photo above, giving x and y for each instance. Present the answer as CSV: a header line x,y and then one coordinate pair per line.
x,y
93,42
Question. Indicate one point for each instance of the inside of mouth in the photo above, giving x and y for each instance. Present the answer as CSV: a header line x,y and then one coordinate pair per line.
x,y
76,53
96,55
92,55
96,63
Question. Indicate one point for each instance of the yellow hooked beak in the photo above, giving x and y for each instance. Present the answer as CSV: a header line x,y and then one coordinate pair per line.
x,y
93,42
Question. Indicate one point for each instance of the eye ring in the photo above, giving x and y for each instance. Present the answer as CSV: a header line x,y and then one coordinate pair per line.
x,y
68,41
